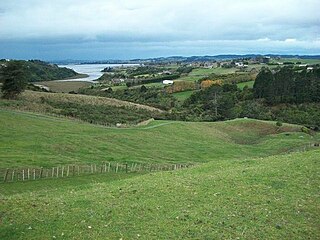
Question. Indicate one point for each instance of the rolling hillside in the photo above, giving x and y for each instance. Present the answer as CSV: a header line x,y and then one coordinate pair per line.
x,y
239,198
238,191
29,139
36,70
92,109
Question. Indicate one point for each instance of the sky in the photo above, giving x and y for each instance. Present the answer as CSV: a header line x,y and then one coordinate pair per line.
x,y
127,29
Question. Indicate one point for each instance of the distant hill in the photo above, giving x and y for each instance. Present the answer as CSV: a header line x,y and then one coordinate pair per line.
x,y
41,71
184,59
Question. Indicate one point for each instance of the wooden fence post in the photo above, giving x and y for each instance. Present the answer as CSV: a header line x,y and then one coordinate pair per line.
x,y
126,168
28,174
109,166
117,167
22,174
62,171
34,174
68,170
41,172
12,175
52,173
6,175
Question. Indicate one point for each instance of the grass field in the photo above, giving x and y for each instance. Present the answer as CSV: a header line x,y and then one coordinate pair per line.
x,y
199,73
303,61
247,187
236,198
37,140
243,84
65,86
181,96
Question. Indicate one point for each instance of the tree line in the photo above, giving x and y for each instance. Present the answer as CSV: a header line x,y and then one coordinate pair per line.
x,y
288,86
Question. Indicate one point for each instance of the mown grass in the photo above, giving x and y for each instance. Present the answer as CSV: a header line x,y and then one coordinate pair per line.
x,y
261,198
31,140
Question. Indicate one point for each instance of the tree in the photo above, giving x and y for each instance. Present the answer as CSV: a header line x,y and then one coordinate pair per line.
x,y
143,88
263,85
14,80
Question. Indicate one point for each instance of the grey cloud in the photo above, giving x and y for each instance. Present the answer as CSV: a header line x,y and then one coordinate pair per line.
x,y
160,25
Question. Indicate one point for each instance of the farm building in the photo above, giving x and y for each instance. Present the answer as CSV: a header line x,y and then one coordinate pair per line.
x,y
167,82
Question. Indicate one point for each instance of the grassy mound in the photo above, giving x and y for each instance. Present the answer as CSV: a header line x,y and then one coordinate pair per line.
x,y
272,198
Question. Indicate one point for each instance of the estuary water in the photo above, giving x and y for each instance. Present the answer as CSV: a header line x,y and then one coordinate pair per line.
x,y
92,70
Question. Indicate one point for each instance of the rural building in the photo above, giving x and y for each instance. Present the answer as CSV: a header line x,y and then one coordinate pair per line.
x,y
167,82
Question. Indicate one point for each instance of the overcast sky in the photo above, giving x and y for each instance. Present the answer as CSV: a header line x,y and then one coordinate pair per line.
x,y
125,29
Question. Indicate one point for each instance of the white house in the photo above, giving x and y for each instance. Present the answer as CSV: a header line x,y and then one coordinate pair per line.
x,y
239,64
167,82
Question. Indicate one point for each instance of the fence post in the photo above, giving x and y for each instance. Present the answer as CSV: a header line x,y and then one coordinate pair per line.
x,y
109,166
117,167
12,175
52,173
68,169
22,174
41,172
34,174
28,174
62,171
126,168
6,175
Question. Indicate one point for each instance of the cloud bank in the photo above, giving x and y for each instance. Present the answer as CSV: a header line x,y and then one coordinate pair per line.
x,y
100,29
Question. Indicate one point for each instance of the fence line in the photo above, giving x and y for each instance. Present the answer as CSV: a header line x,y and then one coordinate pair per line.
x,y
304,148
31,174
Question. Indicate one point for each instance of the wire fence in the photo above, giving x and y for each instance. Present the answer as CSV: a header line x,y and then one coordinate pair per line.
x,y
28,174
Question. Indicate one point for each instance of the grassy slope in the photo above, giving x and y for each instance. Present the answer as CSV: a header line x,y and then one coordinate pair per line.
x,y
92,109
37,140
198,73
271,198
181,96
243,84
64,86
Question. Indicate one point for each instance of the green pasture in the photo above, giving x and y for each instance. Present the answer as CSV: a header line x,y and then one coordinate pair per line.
x,y
233,198
34,140
243,84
